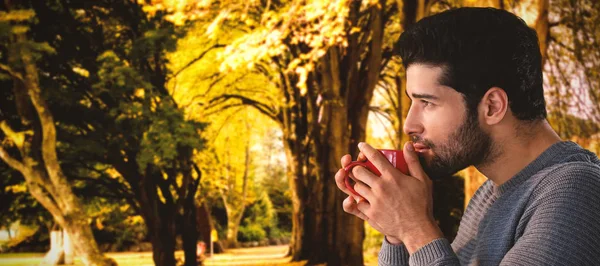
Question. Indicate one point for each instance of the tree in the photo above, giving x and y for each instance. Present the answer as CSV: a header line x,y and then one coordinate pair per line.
x,y
110,67
573,58
322,74
34,137
228,158
235,195
319,92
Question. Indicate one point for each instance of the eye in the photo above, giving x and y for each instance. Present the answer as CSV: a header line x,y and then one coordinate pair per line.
x,y
425,103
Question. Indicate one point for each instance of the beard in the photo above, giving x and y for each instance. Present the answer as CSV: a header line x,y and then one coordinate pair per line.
x,y
467,145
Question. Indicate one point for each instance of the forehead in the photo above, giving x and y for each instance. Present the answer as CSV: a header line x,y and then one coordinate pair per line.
x,y
425,79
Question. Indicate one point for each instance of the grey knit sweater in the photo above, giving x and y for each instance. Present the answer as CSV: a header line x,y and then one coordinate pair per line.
x,y
547,214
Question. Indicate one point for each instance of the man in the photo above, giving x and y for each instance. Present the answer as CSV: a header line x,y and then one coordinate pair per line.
x,y
474,76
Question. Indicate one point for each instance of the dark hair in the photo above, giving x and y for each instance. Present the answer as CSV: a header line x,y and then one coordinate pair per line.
x,y
481,48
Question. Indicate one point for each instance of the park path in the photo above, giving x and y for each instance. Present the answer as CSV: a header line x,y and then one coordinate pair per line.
x,y
271,255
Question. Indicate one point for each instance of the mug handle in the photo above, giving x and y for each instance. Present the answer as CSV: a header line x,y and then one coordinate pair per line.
x,y
348,168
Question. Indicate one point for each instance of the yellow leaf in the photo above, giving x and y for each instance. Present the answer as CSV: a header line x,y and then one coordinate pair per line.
x,y
99,224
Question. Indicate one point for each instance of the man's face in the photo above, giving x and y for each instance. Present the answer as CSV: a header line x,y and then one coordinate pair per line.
x,y
446,136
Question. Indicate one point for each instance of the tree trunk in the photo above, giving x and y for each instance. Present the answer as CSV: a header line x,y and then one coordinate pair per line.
x,y
294,121
58,198
56,253
189,229
68,249
473,180
80,233
61,249
189,235
542,28
295,179
344,232
234,217
160,219
204,221
235,210
163,245
344,88
401,111
163,241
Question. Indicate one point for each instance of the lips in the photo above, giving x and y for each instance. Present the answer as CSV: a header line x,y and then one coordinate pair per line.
x,y
421,147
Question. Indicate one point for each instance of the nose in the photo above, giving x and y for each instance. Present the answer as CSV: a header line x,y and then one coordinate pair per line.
x,y
412,123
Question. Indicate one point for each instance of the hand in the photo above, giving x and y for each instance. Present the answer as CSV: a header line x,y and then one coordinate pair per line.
x,y
351,202
397,205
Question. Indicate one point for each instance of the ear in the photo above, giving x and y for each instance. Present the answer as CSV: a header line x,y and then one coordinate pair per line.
x,y
494,105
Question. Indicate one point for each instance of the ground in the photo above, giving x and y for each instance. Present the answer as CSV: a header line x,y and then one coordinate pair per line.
x,y
273,255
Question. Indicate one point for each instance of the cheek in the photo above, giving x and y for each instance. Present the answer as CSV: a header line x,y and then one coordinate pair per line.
x,y
441,124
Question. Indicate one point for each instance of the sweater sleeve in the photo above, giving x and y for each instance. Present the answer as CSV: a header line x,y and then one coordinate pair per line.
x,y
563,227
392,255
437,252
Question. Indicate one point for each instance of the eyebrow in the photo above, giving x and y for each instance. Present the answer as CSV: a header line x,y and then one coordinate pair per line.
x,y
422,96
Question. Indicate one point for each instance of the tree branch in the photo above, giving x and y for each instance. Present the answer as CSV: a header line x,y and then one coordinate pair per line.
x,y
48,145
118,190
225,121
378,115
261,107
225,107
37,191
164,185
11,72
198,172
374,56
198,58
378,111
12,162
18,138
193,186
562,45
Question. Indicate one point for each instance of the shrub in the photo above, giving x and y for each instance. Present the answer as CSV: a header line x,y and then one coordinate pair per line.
x,y
252,232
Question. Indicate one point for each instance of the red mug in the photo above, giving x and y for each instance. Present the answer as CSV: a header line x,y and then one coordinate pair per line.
x,y
395,157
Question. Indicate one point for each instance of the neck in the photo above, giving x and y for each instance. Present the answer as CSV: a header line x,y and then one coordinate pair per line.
x,y
512,154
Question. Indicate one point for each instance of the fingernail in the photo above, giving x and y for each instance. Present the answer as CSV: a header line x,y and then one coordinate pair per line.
x,y
410,147
360,144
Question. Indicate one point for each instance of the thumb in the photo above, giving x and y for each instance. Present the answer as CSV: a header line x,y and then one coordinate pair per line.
x,y
412,160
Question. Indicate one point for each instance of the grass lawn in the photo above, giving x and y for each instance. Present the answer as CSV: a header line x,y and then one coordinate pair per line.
x,y
273,255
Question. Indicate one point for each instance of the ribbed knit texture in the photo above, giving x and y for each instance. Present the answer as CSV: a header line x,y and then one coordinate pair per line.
x,y
547,214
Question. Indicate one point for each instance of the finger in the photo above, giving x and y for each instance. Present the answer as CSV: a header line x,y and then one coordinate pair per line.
x,y
365,191
362,174
340,181
363,207
412,160
375,157
350,206
361,157
346,160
